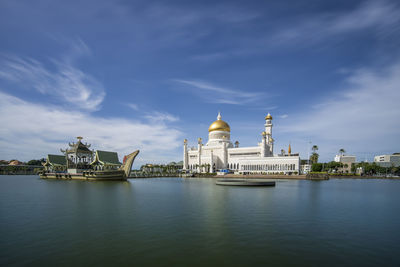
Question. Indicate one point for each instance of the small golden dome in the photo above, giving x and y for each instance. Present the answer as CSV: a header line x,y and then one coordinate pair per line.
x,y
268,117
219,125
263,133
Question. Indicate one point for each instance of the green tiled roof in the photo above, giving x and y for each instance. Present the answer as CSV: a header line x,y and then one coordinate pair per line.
x,y
108,157
56,159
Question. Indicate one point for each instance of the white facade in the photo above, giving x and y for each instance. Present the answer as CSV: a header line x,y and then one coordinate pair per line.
x,y
305,168
388,160
220,153
345,159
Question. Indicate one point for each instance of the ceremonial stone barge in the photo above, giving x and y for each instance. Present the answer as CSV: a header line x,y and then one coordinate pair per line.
x,y
81,163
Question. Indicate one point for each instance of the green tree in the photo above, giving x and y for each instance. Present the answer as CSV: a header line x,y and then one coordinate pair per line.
x,y
314,156
342,151
316,167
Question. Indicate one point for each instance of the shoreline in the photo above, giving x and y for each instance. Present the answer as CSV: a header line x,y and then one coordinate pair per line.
x,y
253,176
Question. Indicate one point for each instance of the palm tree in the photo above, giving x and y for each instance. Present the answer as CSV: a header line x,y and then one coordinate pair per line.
x,y
314,156
342,151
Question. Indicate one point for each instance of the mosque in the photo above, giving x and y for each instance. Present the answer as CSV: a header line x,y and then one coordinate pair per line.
x,y
219,153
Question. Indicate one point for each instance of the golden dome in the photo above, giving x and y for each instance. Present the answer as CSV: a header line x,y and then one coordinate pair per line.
x,y
263,133
219,125
268,117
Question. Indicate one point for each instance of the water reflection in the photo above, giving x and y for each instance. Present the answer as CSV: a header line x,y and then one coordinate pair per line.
x,y
174,221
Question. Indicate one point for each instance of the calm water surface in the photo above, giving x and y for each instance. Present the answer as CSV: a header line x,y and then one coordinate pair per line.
x,y
193,222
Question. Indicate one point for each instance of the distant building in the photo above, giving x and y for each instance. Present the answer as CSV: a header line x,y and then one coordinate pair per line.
x,y
388,160
305,168
347,161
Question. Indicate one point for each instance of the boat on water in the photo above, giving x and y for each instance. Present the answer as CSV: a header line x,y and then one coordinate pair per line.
x,y
80,163
244,182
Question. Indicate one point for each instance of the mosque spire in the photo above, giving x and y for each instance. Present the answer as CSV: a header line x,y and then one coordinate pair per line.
x,y
219,116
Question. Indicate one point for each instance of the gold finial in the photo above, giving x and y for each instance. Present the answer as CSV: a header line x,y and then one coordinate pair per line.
x,y
79,138
290,149
184,141
268,117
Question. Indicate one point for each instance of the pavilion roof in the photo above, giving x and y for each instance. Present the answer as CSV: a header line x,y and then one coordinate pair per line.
x,y
79,147
56,159
107,157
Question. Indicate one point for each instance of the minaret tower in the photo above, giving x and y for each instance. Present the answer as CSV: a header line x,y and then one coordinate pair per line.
x,y
264,144
268,124
268,131
185,155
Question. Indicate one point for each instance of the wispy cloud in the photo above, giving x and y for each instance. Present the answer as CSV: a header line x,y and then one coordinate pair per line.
x,y
362,117
161,116
63,81
218,94
383,16
133,106
49,128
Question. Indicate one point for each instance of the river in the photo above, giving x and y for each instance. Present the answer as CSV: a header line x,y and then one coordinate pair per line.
x,y
193,222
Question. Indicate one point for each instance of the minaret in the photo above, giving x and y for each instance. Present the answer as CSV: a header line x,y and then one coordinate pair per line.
x,y
263,145
268,131
199,148
185,155
268,125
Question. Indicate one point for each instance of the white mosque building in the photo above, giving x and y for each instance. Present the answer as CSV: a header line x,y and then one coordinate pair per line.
x,y
219,153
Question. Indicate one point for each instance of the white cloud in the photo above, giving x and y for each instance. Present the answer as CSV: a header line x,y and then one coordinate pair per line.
x,y
66,83
33,131
382,16
161,116
363,117
133,106
284,116
217,94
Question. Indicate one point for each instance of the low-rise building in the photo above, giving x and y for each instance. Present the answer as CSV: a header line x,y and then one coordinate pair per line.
x,y
388,160
347,161
305,168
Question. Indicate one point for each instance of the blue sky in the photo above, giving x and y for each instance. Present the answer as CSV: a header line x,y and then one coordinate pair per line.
x,y
147,74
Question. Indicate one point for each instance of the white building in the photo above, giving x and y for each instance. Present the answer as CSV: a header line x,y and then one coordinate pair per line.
x,y
388,160
305,168
220,153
